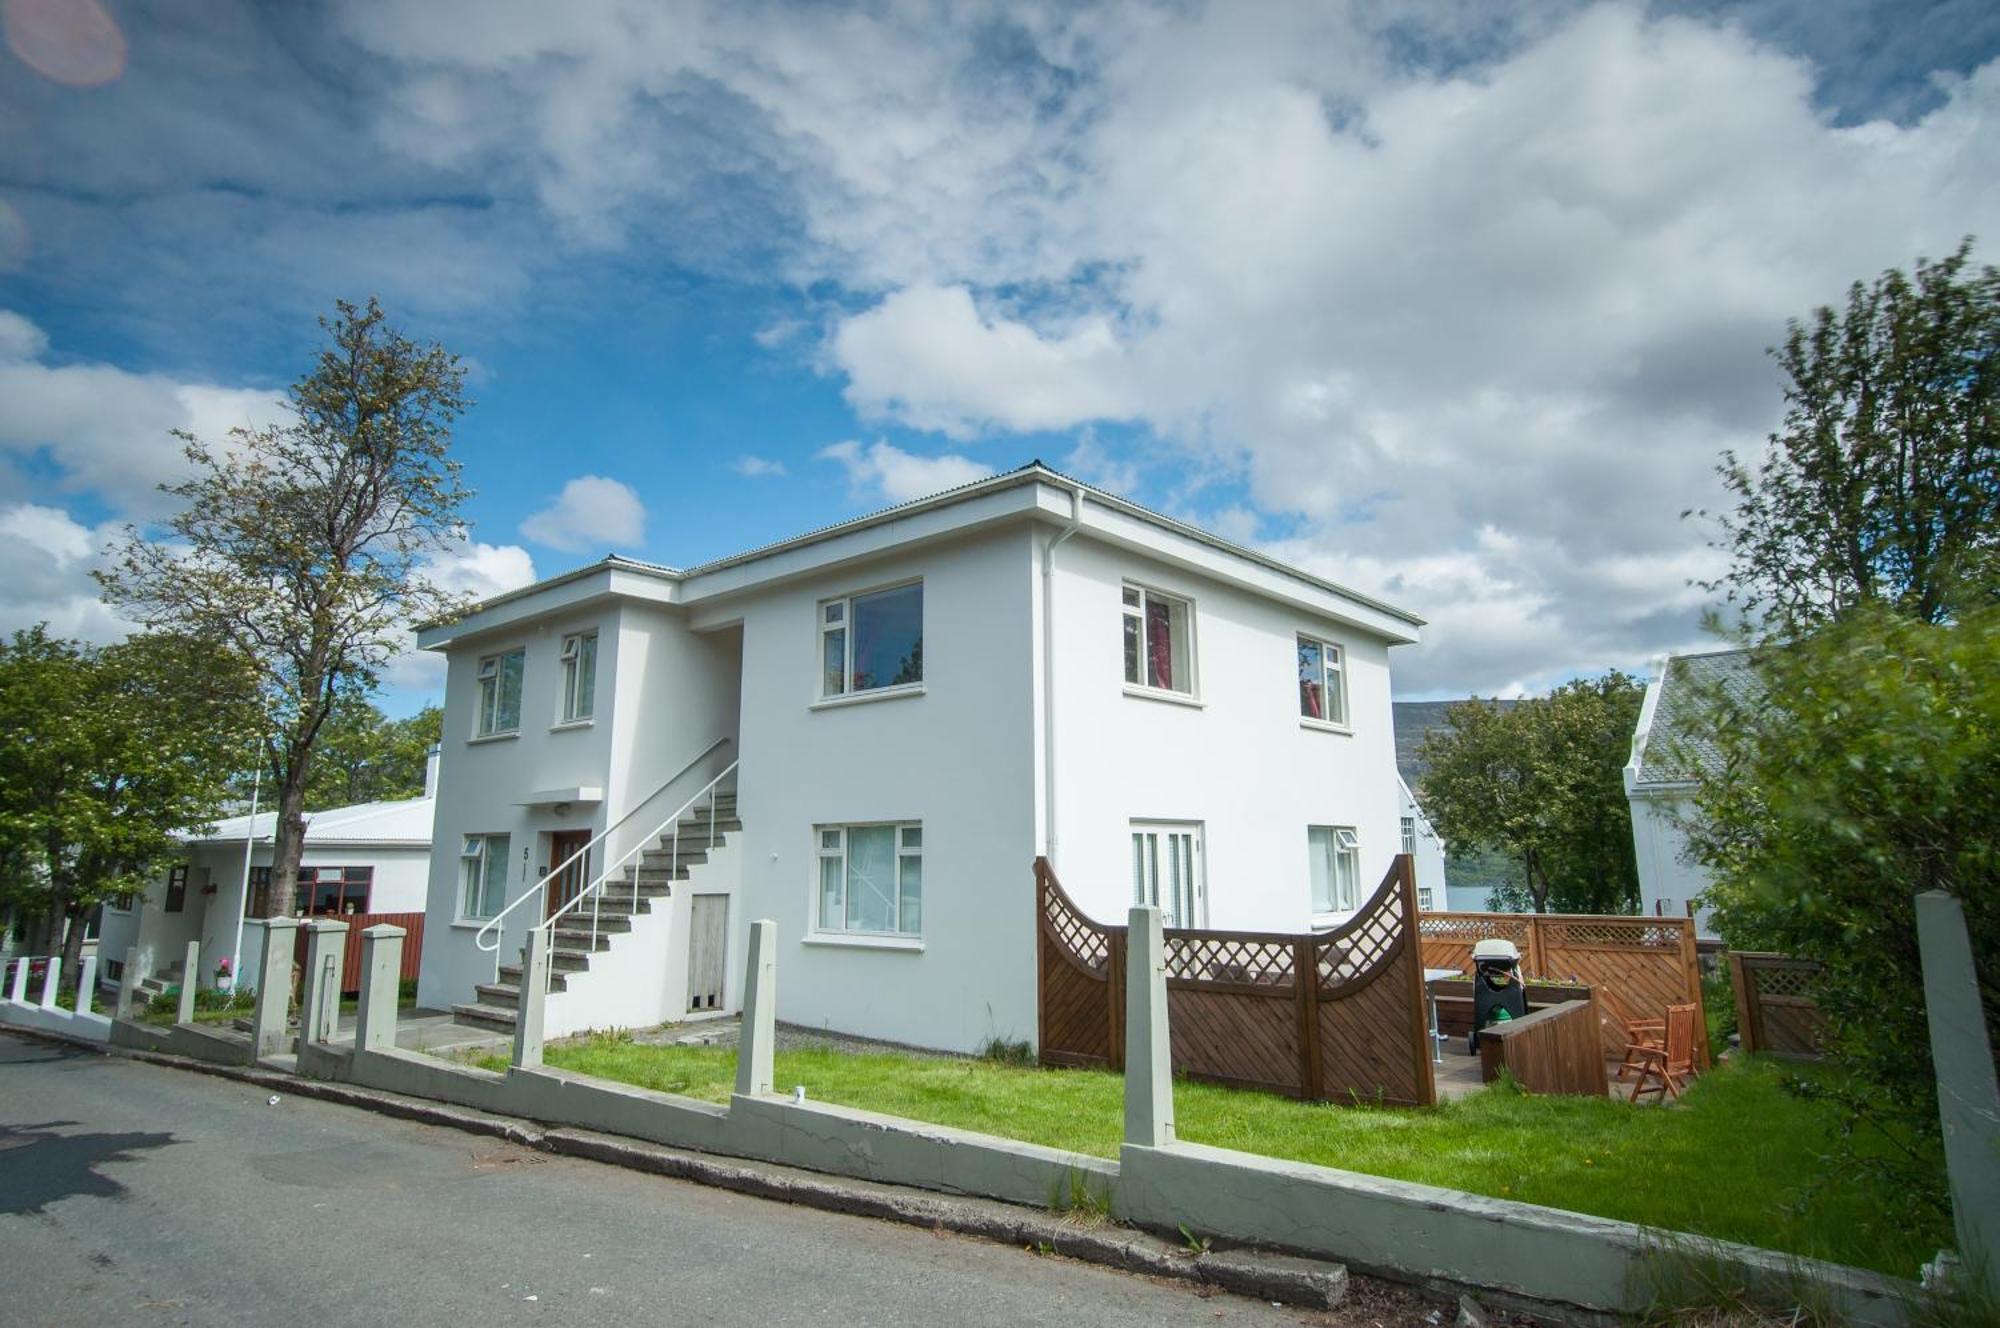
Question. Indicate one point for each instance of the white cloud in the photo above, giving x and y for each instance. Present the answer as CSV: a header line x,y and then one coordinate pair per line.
x,y
882,470
591,511
480,570
46,557
108,430
756,467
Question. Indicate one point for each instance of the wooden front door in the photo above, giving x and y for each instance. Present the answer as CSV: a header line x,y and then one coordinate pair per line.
x,y
708,939
562,845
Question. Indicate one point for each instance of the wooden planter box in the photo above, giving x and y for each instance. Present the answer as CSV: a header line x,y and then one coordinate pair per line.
x,y
1454,1001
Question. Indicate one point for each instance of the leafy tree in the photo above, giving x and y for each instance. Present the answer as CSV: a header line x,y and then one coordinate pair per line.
x,y
1883,484
1542,782
104,755
364,756
301,547
1863,769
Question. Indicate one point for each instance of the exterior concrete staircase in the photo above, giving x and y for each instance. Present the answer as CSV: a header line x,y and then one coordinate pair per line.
x,y
157,984
498,1003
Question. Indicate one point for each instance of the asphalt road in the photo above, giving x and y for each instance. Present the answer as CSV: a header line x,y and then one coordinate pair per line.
x,y
139,1195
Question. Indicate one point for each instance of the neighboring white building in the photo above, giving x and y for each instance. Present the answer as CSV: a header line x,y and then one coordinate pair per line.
x,y
373,857
1669,759
910,707
1421,841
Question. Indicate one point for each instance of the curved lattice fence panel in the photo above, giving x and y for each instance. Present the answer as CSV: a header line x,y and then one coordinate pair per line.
x,y
1338,1016
1637,966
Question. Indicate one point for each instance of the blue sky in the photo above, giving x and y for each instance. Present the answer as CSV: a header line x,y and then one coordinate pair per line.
x,y
1453,303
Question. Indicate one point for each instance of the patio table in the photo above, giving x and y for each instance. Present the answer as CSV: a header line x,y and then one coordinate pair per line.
x,y
1437,1039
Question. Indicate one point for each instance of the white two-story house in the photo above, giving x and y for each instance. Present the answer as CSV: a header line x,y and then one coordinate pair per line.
x,y
888,720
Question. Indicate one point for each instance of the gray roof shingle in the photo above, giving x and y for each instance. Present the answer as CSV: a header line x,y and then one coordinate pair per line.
x,y
1673,750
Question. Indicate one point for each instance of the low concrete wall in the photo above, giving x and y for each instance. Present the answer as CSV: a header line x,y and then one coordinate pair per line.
x,y
1422,1232
210,1045
39,1018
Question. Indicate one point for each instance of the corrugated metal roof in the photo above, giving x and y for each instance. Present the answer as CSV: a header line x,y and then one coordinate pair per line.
x,y
1673,749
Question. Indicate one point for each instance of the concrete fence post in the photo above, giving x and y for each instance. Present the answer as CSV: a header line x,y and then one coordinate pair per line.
x,y
190,982
274,986
531,1004
128,982
51,982
1968,1093
381,984
756,1050
1149,1072
19,992
319,997
86,984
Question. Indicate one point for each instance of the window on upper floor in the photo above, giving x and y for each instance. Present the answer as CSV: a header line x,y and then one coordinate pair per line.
x,y
482,875
1322,681
873,641
499,708
871,879
1334,856
1159,641
579,676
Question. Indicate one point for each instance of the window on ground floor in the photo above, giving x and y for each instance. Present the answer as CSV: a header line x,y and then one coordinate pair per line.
x,y
482,875
871,879
1335,856
334,890
1167,871
177,889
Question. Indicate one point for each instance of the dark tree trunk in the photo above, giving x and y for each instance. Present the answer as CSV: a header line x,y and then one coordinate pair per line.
x,y
78,918
288,842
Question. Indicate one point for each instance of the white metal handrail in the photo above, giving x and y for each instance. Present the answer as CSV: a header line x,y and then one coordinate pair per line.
x,y
595,890
496,925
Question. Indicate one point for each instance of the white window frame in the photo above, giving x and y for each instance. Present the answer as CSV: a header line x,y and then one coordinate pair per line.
x,y
1332,682
830,843
573,675
1407,827
489,675
1130,610
1191,897
1347,850
476,854
836,615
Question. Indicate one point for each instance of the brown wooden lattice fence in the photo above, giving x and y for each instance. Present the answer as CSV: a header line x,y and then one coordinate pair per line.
x,y
1329,1016
1775,1011
1636,966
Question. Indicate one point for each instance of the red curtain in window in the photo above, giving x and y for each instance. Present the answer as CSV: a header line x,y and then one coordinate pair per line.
x,y
1160,642
1309,699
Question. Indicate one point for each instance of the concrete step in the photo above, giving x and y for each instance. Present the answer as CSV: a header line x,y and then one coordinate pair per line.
x,y
498,1018
578,925
510,974
499,995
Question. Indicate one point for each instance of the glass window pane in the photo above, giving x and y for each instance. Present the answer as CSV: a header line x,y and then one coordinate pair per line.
x,y
913,836
1183,671
836,611
889,638
1319,856
1132,673
1132,596
871,878
911,918
1138,869
833,663
586,677
1312,702
507,710
1347,868
829,839
832,915
1336,704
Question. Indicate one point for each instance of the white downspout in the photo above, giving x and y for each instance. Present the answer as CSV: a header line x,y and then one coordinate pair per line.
x,y
1049,672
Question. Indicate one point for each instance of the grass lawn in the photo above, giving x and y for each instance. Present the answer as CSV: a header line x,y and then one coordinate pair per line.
x,y
1736,1159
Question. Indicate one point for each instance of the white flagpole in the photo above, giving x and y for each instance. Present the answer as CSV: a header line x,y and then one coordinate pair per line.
x,y
243,906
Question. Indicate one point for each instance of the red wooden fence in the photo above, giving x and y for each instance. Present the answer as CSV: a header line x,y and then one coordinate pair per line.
x,y
350,962
1333,1016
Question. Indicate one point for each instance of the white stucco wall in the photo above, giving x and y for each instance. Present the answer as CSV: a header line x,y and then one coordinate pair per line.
x,y
663,694
1666,882
1432,891
957,757
1240,761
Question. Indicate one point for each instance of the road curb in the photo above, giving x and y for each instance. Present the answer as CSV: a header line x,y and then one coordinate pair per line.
x,y
1243,1271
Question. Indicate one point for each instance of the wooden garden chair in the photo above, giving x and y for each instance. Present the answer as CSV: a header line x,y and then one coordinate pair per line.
x,y
1666,1069
1640,1035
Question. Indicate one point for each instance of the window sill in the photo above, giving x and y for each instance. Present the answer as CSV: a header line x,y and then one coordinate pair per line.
x,y
508,736
470,924
873,694
1322,726
1171,698
564,726
906,944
